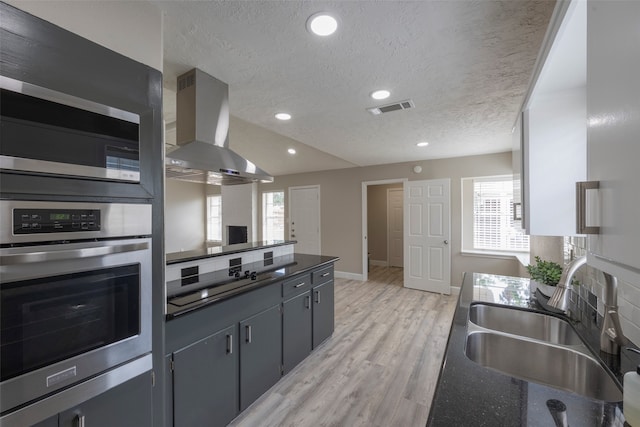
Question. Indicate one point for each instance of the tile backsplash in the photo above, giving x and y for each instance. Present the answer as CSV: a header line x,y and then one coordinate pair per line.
x,y
592,282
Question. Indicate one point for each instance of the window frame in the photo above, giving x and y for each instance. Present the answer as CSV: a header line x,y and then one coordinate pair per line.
x,y
264,211
209,216
468,219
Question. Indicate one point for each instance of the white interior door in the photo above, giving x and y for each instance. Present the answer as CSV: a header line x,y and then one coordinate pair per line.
x,y
427,231
395,232
304,215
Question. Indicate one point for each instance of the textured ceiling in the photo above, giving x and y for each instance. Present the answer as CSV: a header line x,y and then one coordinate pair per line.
x,y
465,64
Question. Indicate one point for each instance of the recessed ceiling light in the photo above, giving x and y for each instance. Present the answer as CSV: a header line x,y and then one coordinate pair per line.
x,y
283,116
380,94
322,24
422,144
291,151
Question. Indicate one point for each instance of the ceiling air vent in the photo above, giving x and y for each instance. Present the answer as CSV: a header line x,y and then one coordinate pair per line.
x,y
402,105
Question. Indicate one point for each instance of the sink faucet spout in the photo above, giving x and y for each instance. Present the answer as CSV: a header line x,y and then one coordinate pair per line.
x,y
560,297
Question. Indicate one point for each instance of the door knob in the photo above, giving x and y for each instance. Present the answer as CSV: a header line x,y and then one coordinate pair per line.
x,y
446,242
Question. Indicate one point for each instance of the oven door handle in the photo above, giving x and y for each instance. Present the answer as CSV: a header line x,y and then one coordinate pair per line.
x,y
43,256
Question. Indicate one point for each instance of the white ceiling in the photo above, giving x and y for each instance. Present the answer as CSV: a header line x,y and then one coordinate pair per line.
x,y
465,64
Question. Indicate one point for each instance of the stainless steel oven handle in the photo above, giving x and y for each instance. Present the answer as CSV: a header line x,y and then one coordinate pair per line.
x,y
42,256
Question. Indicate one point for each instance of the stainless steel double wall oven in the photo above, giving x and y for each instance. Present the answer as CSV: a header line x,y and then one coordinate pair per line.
x,y
81,188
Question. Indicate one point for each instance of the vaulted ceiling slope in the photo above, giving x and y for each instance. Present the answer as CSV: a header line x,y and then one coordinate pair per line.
x,y
465,64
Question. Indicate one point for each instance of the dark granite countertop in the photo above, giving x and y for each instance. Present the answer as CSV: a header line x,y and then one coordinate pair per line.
x,y
216,292
213,251
468,394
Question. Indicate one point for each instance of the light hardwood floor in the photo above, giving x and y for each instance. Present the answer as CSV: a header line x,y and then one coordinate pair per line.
x,y
379,368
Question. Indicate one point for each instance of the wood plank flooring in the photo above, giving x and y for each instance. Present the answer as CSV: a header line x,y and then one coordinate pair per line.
x,y
378,369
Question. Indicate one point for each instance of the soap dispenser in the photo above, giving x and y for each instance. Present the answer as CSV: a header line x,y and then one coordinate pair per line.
x,y
631,397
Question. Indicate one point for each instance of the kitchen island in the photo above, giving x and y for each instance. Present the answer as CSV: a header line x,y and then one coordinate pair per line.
x,y
232,332
468,394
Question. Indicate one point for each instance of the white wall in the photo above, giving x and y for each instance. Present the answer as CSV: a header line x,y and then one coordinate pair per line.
x,y
184,216
132,28
240,207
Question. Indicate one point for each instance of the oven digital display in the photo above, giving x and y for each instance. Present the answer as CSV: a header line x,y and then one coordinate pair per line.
x,y
32,221
59,216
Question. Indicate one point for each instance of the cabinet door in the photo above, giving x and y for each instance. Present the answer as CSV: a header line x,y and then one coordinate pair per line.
x,y
260,354
205,381
613,105
296,330
49,422
323,320
128,404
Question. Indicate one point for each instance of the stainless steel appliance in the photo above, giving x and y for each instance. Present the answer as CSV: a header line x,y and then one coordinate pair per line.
x,y
75,281
203,154
49,132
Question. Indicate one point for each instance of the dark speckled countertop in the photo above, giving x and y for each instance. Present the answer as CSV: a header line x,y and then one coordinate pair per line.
x,y
468,394
213,251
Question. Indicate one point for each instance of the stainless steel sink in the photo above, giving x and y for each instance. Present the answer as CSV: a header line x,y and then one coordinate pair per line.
x,y
524,323
538,348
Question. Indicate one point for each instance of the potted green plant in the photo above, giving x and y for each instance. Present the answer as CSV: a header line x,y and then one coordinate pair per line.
x,y
546,275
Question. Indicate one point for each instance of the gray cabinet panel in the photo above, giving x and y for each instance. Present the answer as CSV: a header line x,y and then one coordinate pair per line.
x,y
205,381
49,422
128,404
296,330
323,312
260,354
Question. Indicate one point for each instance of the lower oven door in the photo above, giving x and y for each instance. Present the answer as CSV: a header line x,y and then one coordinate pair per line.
x,y
69,312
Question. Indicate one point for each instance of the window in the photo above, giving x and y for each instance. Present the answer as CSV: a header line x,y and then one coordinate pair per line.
x,y
488,223
214,218
273,215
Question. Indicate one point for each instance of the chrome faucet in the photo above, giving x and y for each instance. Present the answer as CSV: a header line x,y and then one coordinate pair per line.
x,y
611,337
560,297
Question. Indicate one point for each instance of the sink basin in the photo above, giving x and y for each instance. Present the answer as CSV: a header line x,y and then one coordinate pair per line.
x,y
536,361
537,326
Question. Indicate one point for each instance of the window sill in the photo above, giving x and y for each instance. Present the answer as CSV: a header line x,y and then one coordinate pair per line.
x,y
522,257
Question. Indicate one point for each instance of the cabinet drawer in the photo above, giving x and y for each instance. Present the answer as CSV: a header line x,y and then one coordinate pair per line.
x,y
323,275
296,285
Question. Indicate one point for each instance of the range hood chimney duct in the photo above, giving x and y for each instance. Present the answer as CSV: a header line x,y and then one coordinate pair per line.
x,y
202,133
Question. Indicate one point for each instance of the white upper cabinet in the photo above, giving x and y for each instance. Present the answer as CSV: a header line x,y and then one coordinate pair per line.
x,y
613,134
553,143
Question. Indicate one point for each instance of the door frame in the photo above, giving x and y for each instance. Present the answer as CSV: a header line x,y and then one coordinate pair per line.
x,y
389,190
288,219
364,241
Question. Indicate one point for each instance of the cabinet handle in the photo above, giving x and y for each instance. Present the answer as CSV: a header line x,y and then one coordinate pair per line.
x,y
515,211
248,331
307,301
299,284
317,297
79,421
229,344
325,274
581,207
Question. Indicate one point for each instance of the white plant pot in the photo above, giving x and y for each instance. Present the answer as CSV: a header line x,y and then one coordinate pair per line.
x,y
546,290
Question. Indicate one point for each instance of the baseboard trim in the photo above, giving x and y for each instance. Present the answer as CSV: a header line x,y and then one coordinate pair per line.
x,y
347,275
378,263
455,290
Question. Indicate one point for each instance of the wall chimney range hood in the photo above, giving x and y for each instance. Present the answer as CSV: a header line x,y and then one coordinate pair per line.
x,y
202,133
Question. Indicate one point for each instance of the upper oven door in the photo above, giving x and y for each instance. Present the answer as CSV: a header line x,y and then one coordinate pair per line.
x,y
45,131
69,312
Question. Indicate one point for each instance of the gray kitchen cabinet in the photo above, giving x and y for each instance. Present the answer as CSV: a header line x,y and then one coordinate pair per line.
x,y
128,404
323,311
205,383
260,354
296,330
49,422
613,149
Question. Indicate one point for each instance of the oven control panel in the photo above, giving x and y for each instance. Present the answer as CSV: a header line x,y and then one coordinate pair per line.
x,y
31,221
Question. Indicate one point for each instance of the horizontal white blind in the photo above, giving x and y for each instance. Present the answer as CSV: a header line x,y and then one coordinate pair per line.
x,y
493,225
